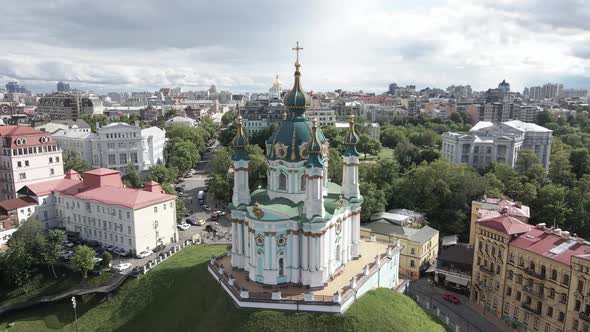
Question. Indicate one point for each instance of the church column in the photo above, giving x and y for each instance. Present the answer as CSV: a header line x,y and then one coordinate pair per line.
x,y
234,237
273,251
322,253
304,248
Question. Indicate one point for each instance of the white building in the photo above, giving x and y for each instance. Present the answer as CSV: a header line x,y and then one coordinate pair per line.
x,y
116,145
28,156
181,121
490,142
100,208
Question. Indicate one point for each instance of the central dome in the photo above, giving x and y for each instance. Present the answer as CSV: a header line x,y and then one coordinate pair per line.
x,y
289,141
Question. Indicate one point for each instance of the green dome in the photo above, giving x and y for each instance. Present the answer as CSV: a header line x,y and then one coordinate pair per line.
x,y
240,142
351,139
314,148
296,100
290,140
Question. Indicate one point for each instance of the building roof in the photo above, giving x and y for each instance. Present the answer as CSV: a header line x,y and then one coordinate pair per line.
x,y
17,203
383,227
546,243
96,186
449,240
460,253
395,218
526,126
506,224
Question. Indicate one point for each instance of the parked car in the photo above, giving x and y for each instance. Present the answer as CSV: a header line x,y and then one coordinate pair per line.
x,y
67,255
137,269
121,252
184,226
451,298
109,248
201,202
97,260
201,222
206,207
68,244
122,267
145,254
179,188
159,247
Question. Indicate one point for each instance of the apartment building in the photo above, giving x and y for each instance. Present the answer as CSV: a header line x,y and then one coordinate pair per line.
x,y
69,105
28,156
493,207
419,243
532,277
116,145
98,207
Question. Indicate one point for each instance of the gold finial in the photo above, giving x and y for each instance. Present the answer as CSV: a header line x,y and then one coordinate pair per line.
x,y
351,119
315,122
297,49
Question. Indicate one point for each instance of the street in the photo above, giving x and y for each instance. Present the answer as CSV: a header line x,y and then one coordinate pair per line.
x,y
461,314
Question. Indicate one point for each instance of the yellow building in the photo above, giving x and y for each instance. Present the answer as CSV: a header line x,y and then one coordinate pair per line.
x,y
491,207
419,245
522,274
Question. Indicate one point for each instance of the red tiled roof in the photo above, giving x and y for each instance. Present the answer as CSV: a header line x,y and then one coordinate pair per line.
x,y
539,242
15,132
506,224
17,203
101,171
8,222
108,194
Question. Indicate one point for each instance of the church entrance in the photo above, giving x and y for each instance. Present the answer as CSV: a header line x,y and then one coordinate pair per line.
x,y
281,267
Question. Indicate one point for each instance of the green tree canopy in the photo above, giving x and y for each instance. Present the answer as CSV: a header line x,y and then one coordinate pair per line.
x,y
83,260
73,161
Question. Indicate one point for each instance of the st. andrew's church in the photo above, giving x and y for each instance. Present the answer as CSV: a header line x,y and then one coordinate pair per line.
x,y
301,228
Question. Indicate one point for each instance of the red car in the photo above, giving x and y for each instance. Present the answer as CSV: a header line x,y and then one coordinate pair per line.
x,y
451,298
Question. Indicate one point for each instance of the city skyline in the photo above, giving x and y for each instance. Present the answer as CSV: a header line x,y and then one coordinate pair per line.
x,y
241,48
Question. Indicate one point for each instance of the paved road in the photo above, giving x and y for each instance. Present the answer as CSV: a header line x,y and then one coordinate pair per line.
x,y
460,314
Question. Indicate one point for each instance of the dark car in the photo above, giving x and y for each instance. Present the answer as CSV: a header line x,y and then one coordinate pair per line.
x,y
451,298
159,247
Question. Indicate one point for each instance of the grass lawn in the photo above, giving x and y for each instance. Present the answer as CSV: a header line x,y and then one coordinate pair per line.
x,y
44,284
180,295
385,153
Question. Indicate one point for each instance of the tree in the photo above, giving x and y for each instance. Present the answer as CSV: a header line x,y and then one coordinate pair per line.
x,y
73,161
257,167
335,165
526,159
551,206
406,154
17,264
195,135
83,260
367,145
374,200
107,258
53,248
131,177
162,174
101,119
182,155
544,117
228,118
260,137
226,135
580,161
180,210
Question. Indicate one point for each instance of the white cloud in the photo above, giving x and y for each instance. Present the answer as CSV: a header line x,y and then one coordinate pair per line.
x,y
347,44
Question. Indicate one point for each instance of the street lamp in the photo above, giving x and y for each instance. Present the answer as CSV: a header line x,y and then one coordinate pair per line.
x,y
75,314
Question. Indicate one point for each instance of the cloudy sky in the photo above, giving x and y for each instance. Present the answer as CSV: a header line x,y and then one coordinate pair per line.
x,y
132,45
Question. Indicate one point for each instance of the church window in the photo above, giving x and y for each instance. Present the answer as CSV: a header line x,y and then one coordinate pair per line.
x,y
282,181
302,182
281,266
281,240
259,240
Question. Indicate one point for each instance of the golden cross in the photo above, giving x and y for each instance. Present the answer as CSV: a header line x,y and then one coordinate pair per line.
x,y
297,49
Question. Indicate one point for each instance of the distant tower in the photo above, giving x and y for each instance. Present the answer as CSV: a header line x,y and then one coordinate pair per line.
x,y
504,87
63,87
275,91
350,176
213,89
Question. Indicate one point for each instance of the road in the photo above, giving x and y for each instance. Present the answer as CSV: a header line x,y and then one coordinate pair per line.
x,y
191,186
462,314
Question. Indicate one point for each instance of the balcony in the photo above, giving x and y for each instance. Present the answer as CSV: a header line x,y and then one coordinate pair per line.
x,y
528,307
486,269
532,273
585,316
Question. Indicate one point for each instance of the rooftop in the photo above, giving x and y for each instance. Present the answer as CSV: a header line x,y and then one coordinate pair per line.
x,y
505,223
547,243
100,185
383,227
17,203
460,253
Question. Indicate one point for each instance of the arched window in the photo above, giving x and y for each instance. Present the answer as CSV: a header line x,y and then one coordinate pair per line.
x,y
281,267
302,179
282,181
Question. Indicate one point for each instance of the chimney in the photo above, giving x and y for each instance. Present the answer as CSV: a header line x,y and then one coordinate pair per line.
x,y
580,240
518,204
557,231
549,230
565,235
541,225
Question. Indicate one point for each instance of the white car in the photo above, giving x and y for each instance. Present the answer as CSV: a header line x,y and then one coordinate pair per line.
x,y
121,252
145,254
68,254
184,226
68,244
122,267
97,260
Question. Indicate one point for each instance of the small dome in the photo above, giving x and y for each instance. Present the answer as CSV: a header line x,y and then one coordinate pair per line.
x,y
351,139
240,142
296,99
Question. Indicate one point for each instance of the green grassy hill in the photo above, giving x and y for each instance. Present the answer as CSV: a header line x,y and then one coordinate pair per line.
x,y
180,295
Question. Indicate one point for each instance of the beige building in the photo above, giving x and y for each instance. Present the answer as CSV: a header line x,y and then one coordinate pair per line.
x,y
532,277
419,245
28,156
100,208
491,207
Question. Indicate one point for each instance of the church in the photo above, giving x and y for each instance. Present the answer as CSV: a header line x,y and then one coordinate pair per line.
x,y
301,228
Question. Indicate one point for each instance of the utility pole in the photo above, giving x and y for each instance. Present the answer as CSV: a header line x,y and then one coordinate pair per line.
x,y
75,313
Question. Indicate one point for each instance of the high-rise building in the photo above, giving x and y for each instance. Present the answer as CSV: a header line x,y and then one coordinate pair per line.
x,y
392,89
504,87
549,90
63,87
14,87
